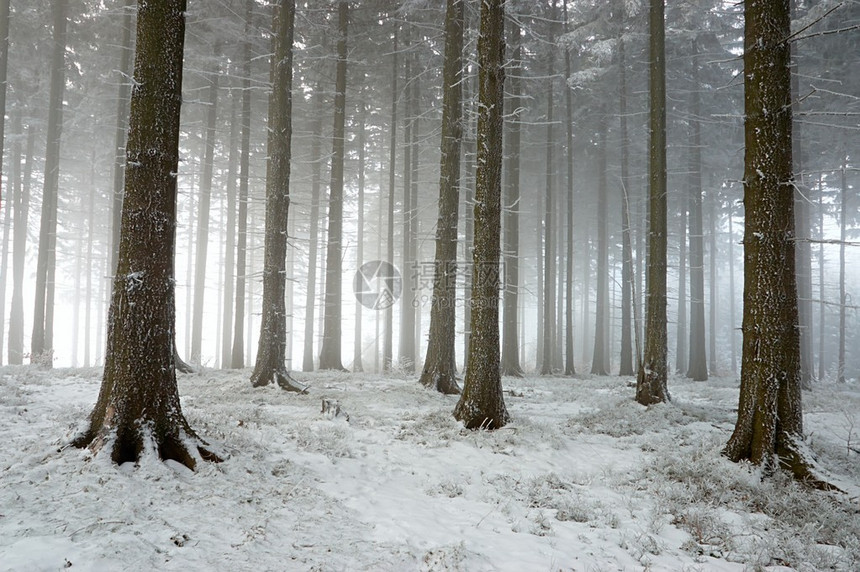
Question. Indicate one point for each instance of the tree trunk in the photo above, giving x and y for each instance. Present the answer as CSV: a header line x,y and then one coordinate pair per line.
x,y
138,410
732,290
271,353
803,246
548,238
769,412
822,345
357,365
313,231
203,207
698,370
510,343
19,240
440,368
569,367
682,358
651,380
330,353
237,359
230,239
712,282
388,339
121,130
41,343
626,367
601,353
843,228
482,404
406,347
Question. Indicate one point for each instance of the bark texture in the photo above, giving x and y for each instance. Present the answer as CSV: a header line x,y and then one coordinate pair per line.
x,y
770,423
482,403
271,351
651,381
440,368
138,409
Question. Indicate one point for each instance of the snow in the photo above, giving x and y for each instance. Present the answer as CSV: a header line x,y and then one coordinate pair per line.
x,y
583,478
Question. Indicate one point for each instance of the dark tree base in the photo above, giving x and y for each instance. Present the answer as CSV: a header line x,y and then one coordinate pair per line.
x,y
443,382
282,378
182,446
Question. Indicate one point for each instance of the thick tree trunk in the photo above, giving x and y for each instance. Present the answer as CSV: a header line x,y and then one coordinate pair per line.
x,y
440,368
41,343
138,409
271,353
510,343
651,380
330,353
482,404
769,411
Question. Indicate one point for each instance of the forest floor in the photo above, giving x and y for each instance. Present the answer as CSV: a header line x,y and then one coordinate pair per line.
x,y
582,479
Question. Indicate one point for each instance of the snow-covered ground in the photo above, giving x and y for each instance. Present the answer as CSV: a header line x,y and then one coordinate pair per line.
x,y
582,479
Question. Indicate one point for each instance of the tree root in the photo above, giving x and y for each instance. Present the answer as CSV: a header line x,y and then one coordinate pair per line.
x,y
286,382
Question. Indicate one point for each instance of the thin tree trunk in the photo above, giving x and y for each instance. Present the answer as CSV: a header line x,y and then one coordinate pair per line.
x,y
230,239
121,129
19,243
569,366
510,343
549,252
388,341
712,283
237,359
698,365
41,343
843,227
91,213
406,349
732,313
203,207
357,365
626,367
682,356
822,346
600,353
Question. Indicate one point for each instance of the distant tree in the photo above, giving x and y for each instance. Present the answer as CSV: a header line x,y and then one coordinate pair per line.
x,y
42,341
651,380
511,299
626,367
21,205
388,336
770,421
482,403
569,367
271,353
440,369
203,206
698,366
313,232
138,407
600,354
548,323
330,353
237,353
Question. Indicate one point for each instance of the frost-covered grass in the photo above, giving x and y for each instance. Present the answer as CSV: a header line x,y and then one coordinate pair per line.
x,y
582,479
